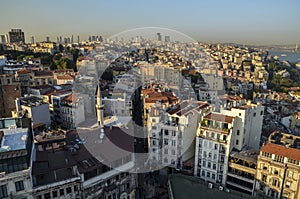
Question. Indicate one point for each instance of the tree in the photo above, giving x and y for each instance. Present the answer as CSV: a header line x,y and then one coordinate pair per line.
x,y
65,63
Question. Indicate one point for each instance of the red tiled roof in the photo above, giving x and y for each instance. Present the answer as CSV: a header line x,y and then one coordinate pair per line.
x,y
219,117
24,71
74,97
66,77
43,73
282,151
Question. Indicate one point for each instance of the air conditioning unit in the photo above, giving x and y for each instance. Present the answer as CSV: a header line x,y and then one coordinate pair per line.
x,y
221,188
210,185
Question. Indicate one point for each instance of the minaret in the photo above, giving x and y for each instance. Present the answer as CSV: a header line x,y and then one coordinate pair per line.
x,y
99,107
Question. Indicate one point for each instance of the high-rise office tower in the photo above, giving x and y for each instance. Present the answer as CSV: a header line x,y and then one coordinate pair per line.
x,y
72,40
3,39
167,38
16,35
47,39
158,36
78,39
32,39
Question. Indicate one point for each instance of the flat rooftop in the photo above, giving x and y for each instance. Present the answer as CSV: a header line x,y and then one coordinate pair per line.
x,y
188,187
31,101
247,154
13,139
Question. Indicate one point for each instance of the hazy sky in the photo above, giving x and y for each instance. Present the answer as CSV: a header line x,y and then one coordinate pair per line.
x,y
250,22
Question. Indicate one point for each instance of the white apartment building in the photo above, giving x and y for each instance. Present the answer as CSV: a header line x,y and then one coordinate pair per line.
x,y
213,145
33,107
72,111
172,133
117,106
249,131
15,153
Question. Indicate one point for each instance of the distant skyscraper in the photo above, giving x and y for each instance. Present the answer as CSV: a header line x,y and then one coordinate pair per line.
x,y
167,38
158,37
72,39
16,35
100,38
78,39
32,39
47,39
57,39
3,39
60,40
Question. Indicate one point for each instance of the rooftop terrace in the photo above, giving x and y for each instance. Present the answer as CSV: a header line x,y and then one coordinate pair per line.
x,y
13,139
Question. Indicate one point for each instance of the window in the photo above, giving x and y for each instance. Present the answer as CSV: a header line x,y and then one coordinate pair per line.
x,y
153,143
290,174
174,133
215,156
19,185
209,164
209,154
3,191
47,196
279,158
204,163
39,197
208,174
173,152
254,114
264,178
288,184
166,132
237,142
276,182
166,141
238,132
69,190
214,166
54,194
173,142
166,151
261,112
61,192
203,173
204,154
240,114
276,172
216,146
213,176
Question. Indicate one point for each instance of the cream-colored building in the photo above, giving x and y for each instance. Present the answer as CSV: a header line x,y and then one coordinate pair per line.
x,y
278,172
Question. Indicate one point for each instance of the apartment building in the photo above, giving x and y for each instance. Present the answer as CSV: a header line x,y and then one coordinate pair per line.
x,y
15,156
214,142
172,133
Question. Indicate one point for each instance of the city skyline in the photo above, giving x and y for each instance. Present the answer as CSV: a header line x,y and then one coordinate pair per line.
x,y
238,22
